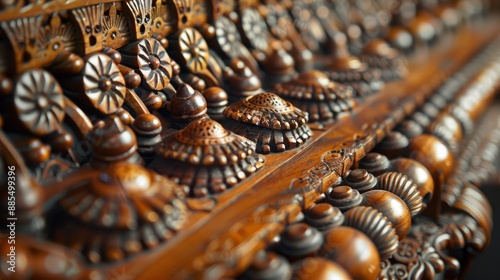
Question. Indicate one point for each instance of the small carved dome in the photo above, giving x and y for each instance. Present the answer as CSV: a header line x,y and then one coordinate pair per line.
x,y
273,123
207,157
120,211
187,105
380,55
315,93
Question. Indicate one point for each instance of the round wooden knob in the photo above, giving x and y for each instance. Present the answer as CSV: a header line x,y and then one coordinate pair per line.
x,y
360,180
354,251
392,145
418,174
343,197
432,153
268,266
300,240
319,268
392,207
409,128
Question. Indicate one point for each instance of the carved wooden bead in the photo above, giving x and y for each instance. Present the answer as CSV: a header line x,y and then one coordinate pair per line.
x,y
418,174
402,186
279,66
374,163
391,206
207,158
319,268
242,81
315,93
268,266
360,180
216,99
353,250
447,129
432,153
33,151
121,211
273,123
299,241
409,128
343,197
187,105
324,216
147,128
376,226
392,145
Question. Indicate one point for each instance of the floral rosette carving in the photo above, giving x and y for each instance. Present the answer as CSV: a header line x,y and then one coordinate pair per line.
x,y
207,158
228,37
121,211
39,102
255,29
150,60
315,93
103,84
194,50
273,123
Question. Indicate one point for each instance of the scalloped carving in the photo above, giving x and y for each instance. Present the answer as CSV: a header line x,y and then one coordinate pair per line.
x,y
402,186
374,224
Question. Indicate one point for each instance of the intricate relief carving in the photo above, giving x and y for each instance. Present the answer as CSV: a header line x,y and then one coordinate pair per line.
x,y
39,103
115,28
191,13
164,18
402,186
140,18
89,20
103,84
255,29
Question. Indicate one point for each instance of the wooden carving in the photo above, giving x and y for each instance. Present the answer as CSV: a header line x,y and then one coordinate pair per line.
x,y
200,139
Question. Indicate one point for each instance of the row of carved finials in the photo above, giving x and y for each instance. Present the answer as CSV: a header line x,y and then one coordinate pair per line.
x,y
313,245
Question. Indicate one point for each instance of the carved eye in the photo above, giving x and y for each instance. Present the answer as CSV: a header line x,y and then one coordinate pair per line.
x,y
97,28
147,18
88,29
138,20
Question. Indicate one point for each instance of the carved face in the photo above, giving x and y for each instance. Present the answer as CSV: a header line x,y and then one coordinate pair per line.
x,y
164,18
141,19
116,31
191,12
90,21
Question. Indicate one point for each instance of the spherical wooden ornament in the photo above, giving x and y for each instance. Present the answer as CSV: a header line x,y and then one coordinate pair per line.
x,y
319,268
418,174
449,130
402,186
375,225
268,266
392,145
409,128
391,206
432,153
353,250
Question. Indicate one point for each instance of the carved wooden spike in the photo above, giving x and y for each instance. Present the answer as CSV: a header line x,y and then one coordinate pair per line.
x,y
127,202
273,123
376,226
402,186
315,93
207,157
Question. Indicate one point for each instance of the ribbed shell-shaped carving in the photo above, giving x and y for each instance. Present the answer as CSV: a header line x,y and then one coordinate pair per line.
x,y
402,186
267,110
376,226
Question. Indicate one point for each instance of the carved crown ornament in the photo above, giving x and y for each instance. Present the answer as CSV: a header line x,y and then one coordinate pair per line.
x,y
196,139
